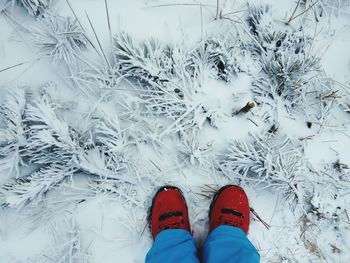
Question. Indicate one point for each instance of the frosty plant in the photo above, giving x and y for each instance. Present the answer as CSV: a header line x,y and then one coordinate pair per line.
x,y
21,191
329,198
108,154
12,138
194,154
50,145
146,62
270,161
50,139
170,77
289,73
60,38
162,72
220,54
125,192
55,148
285,55
319,8
34,7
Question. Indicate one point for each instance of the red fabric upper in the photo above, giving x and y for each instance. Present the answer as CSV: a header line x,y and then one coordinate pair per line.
x,y
169,211
230,207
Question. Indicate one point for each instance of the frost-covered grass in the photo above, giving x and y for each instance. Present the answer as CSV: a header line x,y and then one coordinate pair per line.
x,y
83,154
60,38
33,7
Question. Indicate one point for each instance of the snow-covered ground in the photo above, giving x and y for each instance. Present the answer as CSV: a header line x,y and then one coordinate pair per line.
x,y
102,102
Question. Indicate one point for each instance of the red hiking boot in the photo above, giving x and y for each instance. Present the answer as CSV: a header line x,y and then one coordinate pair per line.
x,y
168,211
230,206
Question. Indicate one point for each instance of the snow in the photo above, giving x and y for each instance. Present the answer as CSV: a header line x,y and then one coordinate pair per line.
x,y
108,142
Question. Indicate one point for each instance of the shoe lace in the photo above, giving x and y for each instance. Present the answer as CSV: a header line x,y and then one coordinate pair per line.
x,y
171,220
231,217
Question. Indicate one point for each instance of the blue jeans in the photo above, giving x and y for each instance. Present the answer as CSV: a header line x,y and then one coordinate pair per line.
x,y
225,244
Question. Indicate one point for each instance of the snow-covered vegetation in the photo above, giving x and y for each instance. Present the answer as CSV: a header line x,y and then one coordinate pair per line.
x,y
102,102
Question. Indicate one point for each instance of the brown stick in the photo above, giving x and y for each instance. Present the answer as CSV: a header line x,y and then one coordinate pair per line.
x,y
259,218
246,108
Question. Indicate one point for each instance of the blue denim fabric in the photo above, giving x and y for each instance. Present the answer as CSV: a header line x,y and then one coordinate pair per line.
x,y
225,244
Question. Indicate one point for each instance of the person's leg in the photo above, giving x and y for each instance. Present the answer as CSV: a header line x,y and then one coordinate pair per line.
x,y
170,228
228,244
229,219
172,246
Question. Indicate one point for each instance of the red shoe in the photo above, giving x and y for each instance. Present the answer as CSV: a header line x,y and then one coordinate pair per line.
x,y
168,211
230,206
